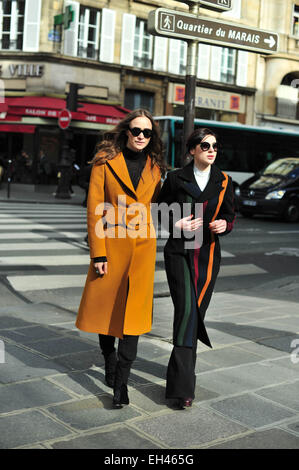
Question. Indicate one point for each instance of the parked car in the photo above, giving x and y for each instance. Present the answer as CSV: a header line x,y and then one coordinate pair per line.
x,y
274,191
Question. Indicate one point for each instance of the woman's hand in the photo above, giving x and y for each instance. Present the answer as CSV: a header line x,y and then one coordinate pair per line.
x,y
101,268
189,225
218,226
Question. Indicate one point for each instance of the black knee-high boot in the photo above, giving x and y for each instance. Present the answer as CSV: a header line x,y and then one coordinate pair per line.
x,y
127,351
109,353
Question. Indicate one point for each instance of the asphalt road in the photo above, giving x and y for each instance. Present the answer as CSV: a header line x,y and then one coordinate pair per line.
x,y
270,245
43,257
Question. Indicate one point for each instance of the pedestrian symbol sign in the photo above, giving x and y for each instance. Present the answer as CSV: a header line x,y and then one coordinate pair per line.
x,y
167,22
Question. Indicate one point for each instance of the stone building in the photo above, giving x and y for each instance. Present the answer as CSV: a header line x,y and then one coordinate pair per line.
x,y
105,46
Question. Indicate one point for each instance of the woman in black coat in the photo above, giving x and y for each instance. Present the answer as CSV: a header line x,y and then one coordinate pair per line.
x,y
192,267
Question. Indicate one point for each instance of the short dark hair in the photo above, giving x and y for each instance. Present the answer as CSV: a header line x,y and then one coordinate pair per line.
x,y
197,136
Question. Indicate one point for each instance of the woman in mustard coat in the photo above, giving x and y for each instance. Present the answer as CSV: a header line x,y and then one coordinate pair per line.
x,y
117,300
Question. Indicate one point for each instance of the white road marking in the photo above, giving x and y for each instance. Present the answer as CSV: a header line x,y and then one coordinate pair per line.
x,y
240,270
273,232
21,235
285,252
36,246
56,260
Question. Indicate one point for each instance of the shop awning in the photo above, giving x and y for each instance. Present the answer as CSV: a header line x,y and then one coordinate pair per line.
x,y
3,107
47,107
17,128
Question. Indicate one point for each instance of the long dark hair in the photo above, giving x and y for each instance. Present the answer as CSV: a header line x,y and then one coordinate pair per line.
x,y
115,140
197,136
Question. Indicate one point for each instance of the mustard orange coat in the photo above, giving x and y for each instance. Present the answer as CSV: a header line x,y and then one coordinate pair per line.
x,y
121,302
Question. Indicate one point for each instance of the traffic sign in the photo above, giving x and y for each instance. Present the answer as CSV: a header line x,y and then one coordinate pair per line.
x,y
64,119
216,5
176,24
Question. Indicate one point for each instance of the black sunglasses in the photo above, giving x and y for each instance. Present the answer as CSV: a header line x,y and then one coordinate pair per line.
x,y
205,146
135,131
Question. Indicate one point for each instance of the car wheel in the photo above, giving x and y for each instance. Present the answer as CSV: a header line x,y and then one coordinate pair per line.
x,y
248,215
291,213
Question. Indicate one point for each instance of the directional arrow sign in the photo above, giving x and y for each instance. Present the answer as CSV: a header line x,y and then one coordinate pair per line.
x,y
174,24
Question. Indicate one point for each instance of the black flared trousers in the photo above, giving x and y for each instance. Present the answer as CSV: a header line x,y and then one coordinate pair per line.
x,y
181,378
126,354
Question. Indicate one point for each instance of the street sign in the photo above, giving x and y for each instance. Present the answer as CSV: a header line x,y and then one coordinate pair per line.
x,y
64,119
216,5
176,24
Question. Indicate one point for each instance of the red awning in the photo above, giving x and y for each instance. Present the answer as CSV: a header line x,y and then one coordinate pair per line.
x,y
18,128
43,106
3,107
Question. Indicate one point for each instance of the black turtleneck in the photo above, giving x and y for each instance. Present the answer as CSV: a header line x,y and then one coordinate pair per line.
x,y
135,163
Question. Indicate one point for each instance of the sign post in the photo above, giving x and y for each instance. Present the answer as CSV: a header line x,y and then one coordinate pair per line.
x,y
190,86
193,28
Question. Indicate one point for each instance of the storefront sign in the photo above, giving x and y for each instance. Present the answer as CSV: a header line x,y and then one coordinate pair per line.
x,y
212,99
22,70
52,113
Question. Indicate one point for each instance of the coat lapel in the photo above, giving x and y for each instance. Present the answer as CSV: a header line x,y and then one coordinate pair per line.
x,y
147,178
189,184
119,169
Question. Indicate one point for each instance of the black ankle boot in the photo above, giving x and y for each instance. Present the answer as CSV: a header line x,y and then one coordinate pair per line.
x,y
120,397
110,367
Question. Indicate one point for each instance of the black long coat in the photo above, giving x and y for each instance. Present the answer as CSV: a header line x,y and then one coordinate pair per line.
x,y
192,272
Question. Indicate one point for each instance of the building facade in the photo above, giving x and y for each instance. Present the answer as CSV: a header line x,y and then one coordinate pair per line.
x,y
105,46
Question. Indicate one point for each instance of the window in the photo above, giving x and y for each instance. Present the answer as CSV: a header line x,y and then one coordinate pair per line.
x,y
88,33
228,65
11,34
139,99
143,46
183,58
295,31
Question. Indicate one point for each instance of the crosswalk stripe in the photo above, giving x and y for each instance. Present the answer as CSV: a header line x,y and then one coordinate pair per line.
x,y
59,281
21,235
39,226
35,246
41,218
55,260
52,281
240,270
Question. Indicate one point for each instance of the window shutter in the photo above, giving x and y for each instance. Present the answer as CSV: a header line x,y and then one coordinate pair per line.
x,y
107,35
242,68
160,53
14,22
216,53
1,20
127,40
70,42
32,25
203,62
174,56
